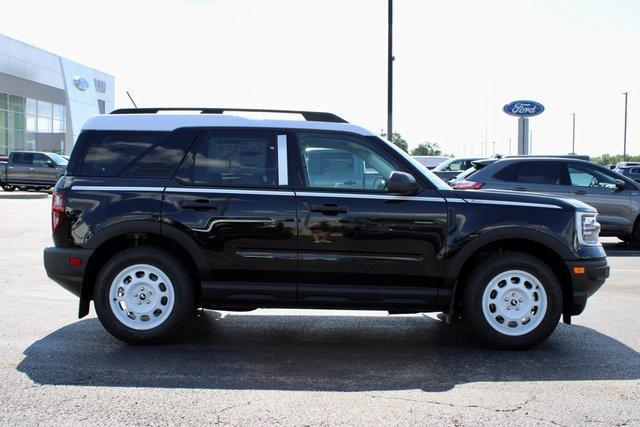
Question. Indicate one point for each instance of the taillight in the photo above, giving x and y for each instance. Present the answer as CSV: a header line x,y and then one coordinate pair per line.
x,y
463,184
57,210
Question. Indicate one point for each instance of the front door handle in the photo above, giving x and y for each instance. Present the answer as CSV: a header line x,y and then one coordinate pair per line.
x,y
329,209
199,205
520,188
580,192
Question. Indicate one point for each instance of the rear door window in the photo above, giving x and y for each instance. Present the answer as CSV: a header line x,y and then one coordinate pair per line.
x,y
531,173
232,158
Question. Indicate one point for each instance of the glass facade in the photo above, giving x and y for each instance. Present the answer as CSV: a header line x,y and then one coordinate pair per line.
x,y
29,124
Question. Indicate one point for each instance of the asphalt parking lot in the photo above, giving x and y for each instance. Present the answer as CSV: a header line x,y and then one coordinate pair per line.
x,y
302,367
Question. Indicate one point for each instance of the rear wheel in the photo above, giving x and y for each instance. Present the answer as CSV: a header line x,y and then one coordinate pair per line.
x,y
143,295
8,188
512,301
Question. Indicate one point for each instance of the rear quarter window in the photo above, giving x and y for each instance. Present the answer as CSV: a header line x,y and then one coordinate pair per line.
x,y
111,152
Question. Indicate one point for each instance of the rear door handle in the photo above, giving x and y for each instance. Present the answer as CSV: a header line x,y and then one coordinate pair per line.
x,y
199,205
580,192
520,188
329,209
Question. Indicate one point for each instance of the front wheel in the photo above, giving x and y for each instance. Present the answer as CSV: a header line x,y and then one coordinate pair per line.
x,y
8,188
143,295
512,301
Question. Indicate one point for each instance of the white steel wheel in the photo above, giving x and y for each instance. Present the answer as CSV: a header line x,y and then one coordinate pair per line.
x,y
141,297
514,302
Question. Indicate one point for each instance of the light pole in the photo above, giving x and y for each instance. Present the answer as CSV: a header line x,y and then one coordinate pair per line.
x,y
390,73
624,149
573,138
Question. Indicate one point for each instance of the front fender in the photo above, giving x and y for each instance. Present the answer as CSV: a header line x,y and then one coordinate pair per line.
x,y
462,249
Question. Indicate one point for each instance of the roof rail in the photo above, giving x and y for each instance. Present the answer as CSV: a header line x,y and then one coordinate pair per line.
x,y
312,116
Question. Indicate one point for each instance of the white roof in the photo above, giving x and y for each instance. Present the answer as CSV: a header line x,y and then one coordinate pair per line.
x,y
169,122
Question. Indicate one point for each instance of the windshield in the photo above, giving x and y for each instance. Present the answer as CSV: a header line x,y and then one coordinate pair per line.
x,y
428,175
58,159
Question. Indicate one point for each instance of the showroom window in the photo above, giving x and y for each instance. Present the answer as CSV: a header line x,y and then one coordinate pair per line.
x,y
29,124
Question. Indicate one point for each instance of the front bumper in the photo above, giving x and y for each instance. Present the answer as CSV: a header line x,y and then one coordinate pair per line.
x,y
586,277
60,269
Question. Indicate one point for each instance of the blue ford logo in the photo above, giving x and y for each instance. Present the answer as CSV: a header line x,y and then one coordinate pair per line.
x,y
80,83
523,108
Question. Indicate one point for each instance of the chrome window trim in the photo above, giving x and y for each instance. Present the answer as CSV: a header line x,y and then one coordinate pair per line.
x,y
283,166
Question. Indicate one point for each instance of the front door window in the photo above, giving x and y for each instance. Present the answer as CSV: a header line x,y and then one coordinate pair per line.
x,y
342,162
585,176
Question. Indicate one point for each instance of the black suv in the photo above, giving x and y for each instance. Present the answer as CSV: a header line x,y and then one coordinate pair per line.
x,y
160,214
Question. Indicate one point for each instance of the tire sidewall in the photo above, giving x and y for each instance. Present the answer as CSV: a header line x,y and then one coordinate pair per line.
x,y
169,265
480,280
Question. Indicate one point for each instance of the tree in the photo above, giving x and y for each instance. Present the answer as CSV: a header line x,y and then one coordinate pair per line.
x,y
398,140
607,159
427,149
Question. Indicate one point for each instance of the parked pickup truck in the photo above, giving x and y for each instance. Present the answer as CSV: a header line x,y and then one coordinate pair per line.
x,y
31,170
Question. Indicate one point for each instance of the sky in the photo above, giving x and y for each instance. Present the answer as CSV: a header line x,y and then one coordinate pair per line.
x,y
458,62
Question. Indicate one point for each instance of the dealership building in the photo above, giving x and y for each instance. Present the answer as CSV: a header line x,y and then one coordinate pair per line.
x,y
45,99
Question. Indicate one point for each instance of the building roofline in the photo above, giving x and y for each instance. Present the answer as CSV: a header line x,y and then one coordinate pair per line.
x,y
56,55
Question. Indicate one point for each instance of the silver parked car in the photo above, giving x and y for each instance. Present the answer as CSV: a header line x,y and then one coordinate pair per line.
x,y
616,197
632,172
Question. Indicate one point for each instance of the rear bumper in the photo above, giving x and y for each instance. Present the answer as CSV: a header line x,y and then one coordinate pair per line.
x,y
60,270
587,283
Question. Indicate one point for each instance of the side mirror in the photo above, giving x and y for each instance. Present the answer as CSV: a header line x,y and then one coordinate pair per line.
x,y
401,183
50,164
620,184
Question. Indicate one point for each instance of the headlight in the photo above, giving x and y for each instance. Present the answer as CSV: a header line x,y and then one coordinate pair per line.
x,y
587,228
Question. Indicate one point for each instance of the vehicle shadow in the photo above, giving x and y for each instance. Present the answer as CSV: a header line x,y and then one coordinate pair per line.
x,y
319,353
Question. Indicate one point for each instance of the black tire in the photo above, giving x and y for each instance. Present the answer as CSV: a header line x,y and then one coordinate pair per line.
x,y
183,305
634,238
8,188
481,277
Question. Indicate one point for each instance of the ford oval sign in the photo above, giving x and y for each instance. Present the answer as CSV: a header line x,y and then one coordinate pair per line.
x,y
80,83
523,108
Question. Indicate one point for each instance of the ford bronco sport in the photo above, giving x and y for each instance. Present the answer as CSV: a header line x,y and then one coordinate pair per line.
x,y
160,214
